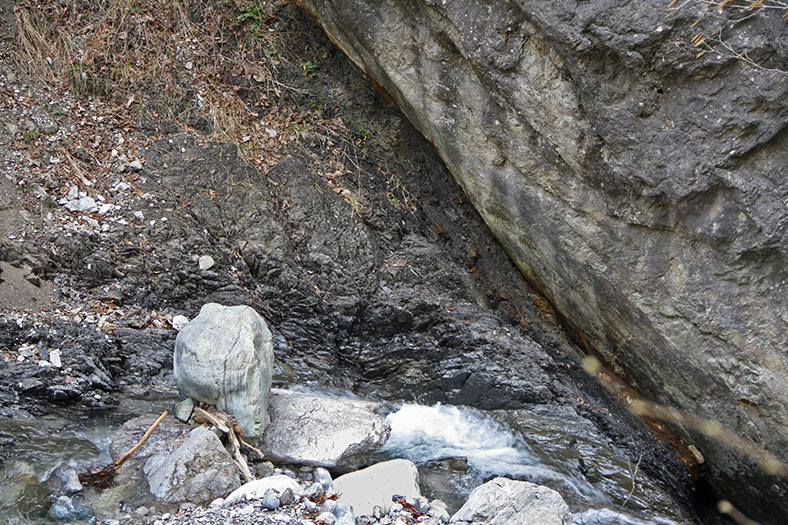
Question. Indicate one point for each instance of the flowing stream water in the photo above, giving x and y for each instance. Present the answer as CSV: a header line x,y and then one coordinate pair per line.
x,y
456,449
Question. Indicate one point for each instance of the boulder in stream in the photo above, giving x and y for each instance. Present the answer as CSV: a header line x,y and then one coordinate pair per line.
x,y
503,501
64,479
180,463
322,431
224,357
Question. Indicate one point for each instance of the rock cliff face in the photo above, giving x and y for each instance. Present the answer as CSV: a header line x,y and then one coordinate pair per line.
x,y
641,186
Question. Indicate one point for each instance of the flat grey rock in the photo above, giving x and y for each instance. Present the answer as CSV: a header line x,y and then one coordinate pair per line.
x,y
373,486
256,489
322,431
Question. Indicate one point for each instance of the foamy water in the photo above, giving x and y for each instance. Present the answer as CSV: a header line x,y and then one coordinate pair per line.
x,y
422,433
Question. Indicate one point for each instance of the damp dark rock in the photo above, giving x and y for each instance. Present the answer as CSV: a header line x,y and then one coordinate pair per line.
x,y
638,183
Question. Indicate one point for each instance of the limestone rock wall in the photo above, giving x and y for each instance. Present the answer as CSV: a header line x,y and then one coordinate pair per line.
x,y
643,189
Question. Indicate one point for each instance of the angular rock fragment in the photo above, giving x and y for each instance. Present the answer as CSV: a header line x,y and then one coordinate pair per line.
x,y
198,471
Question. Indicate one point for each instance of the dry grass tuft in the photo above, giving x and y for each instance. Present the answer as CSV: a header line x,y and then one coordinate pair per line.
x,y
216,66
718,18
169,59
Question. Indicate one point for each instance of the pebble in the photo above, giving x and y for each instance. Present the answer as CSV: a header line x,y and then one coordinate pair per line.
x,y
310,506
135,165
206,262
266,468
67,509
344,514
315,490
286,497
422,505
85,204
49,129
270,500
328,506
65,479
183,409
327,518
322,476
179,322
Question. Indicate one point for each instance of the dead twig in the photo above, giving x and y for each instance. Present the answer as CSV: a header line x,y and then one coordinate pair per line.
x,y
225,423
725,507
633,473
102,477
255,449
142,440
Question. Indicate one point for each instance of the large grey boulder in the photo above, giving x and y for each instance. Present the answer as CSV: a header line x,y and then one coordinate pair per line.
x,y
224,357
198,471
640,185
373,486
322,431
503,501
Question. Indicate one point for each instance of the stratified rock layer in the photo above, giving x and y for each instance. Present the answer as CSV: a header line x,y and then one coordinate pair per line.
x,y
224,357
641,186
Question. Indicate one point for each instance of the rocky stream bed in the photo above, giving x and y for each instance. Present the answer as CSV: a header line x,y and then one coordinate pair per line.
x,y
382,285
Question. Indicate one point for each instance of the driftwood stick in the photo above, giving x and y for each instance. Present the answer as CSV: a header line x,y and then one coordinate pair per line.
x,y
247,445
203,416
147,433
235,448
224,423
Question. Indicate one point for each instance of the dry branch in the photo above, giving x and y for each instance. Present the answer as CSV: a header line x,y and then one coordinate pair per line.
x,y
102,477
225,423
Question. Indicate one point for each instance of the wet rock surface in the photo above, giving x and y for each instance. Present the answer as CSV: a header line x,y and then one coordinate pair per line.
x,y
639,183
